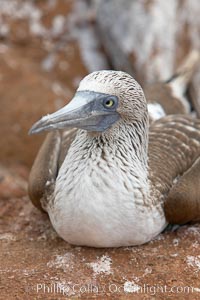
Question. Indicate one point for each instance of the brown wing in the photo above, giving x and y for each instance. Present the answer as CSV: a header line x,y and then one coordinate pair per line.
x,y
46,165
185,195
174,152
162,93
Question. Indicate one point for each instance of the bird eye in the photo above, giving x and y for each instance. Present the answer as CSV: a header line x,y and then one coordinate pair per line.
x,y
109,103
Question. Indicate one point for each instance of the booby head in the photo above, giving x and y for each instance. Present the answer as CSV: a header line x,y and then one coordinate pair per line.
x,y
103,98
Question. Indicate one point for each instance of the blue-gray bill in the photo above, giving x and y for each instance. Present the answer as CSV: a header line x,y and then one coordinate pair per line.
x,y
88,110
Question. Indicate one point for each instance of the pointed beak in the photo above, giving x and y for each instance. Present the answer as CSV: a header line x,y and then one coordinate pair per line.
x,y
85,111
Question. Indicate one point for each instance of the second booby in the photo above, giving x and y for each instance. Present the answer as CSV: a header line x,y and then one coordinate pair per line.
x,y
113,181
174,95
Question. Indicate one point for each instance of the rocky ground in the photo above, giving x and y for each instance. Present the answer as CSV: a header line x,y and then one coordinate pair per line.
x,y
43,55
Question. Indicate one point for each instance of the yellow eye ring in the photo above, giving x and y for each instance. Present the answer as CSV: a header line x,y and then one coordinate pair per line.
x,y
109,103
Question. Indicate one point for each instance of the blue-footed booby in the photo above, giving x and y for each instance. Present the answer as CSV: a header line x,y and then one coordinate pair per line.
x,y
111,180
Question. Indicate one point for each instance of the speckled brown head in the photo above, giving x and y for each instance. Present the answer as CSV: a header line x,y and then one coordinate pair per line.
x,y
102,99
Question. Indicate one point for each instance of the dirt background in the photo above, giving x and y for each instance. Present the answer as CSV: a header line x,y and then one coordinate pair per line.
x,y
42,59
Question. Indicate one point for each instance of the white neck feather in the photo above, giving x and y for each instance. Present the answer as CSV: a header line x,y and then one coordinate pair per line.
x,y
109,160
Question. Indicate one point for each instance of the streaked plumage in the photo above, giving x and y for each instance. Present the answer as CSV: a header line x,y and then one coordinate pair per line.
x,y
112,187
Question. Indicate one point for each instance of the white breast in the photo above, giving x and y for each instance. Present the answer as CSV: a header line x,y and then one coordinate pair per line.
x,y
100,204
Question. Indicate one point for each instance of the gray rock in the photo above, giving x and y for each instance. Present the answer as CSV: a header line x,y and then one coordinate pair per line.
x,y
148,38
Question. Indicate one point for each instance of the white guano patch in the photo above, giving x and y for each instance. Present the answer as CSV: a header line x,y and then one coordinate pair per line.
x,y
193,230
101,266
131,287
176,242
194,261
7,237
63,262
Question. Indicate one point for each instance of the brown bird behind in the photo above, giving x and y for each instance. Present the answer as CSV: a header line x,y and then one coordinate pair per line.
x,y
176,95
